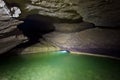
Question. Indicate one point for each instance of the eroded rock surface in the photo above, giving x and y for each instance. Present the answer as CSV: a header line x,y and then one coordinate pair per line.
x,y
96,40
10,36
91,24
56,8
98,12
72,27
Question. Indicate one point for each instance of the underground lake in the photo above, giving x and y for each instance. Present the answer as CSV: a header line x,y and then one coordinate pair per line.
x,y
59,39
58,66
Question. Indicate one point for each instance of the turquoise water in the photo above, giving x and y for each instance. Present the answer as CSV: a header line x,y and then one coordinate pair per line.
x,y
56,66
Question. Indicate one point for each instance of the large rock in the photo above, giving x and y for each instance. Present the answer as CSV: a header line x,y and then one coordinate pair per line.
x,y
96,40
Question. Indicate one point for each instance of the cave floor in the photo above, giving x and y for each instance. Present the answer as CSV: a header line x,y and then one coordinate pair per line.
x,y
57,66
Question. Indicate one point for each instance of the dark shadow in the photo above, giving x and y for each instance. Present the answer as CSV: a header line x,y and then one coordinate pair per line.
x,y
51,19
35,29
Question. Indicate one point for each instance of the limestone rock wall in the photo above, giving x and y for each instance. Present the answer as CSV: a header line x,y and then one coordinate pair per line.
x,y
87,22
98,12
10,36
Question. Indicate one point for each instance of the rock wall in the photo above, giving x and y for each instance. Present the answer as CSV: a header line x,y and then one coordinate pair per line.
x,y
98,12
80,25
10,36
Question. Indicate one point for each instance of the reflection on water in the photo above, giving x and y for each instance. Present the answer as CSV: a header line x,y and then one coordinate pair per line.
x,y
52,66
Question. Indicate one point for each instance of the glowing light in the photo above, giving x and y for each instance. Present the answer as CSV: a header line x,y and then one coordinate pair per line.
x,y
64,51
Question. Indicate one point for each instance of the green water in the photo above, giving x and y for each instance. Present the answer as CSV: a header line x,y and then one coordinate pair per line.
x,y
58,67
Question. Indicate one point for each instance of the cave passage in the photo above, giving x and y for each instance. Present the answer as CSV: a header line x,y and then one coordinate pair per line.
x,y
35,29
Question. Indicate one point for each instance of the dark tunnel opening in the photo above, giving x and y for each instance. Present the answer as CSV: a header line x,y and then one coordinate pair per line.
x,y
34,29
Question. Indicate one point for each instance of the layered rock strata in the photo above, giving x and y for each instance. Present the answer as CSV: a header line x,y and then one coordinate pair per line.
x,y
10,36
98,12
81,25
